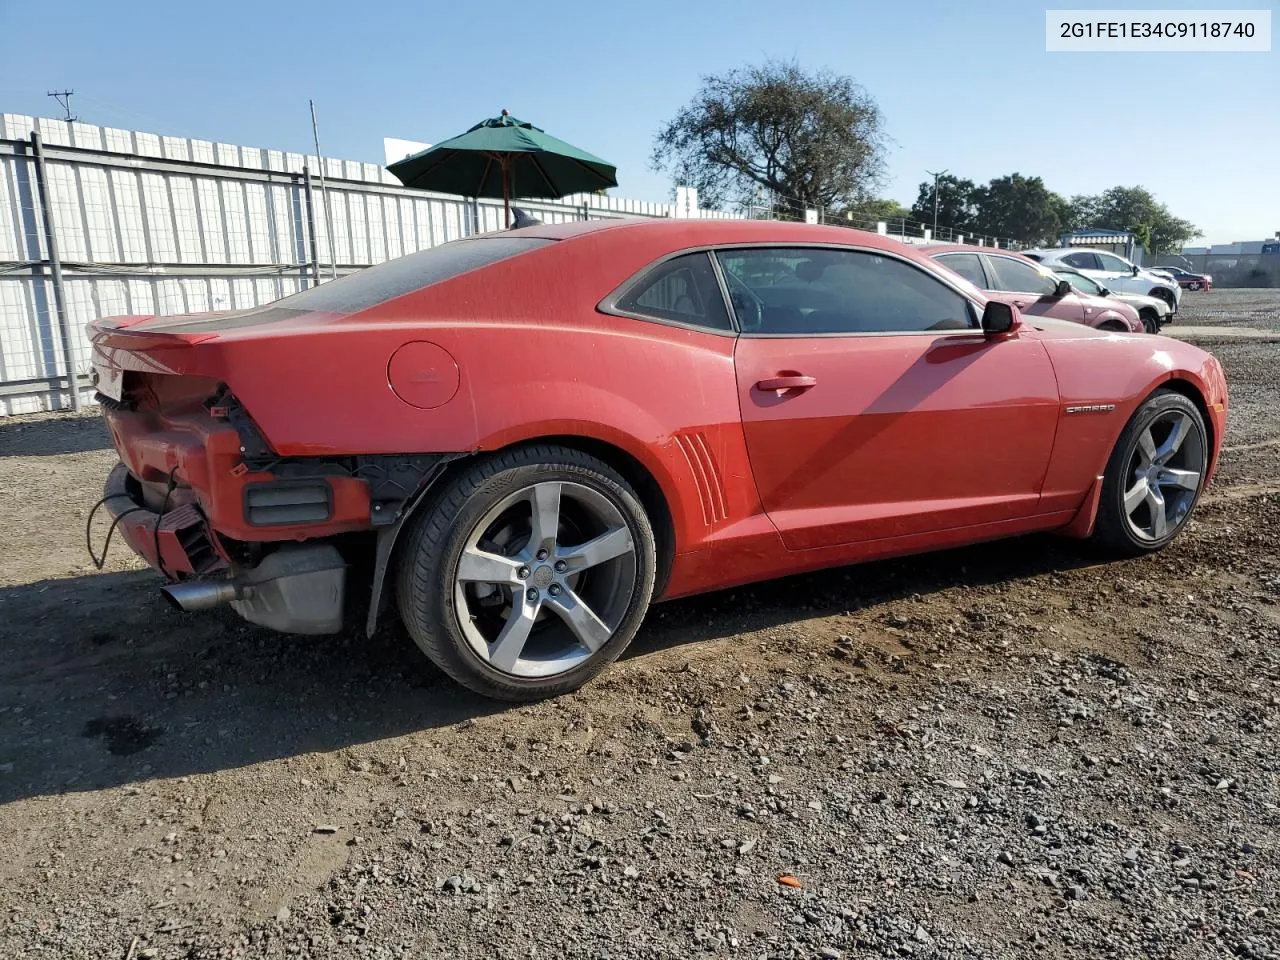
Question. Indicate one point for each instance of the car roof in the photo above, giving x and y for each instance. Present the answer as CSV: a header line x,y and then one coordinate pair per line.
x,y
934,249
709,232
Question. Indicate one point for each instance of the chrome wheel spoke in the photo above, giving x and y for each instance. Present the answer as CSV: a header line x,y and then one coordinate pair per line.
x,y
1146,447
481,566
507,648
1173,442
1136,496
1182,479
590,630
1155,503
545,520
607,546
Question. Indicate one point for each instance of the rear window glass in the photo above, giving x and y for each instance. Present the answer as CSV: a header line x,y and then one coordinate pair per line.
x,y
683,289
392,279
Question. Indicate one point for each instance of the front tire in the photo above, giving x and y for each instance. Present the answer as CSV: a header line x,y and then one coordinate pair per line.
x,y
529,573
1150,321
1155,476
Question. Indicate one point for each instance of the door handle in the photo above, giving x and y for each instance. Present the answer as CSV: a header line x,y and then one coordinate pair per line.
x,y
794,382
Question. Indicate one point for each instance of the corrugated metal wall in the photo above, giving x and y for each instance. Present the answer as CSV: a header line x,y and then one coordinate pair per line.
x,y
153,224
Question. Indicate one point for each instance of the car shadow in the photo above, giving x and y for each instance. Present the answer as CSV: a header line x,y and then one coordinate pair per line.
x,y
772,603
53,436
103,684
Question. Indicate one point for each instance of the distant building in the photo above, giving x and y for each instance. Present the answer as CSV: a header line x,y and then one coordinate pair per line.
x,y
1115,241
395,149
1241,248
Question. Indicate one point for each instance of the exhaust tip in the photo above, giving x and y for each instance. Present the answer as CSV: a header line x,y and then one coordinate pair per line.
x,y
199,594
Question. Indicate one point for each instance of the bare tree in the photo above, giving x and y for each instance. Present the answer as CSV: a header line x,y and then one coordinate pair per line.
x,y
813,139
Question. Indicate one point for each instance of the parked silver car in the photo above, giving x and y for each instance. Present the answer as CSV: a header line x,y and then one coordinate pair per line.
x,y
1111,270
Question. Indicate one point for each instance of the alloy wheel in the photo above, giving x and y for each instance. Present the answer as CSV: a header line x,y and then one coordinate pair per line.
x,y
544,579
1164,476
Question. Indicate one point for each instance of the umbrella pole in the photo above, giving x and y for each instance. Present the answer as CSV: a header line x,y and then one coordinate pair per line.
x,y
506,192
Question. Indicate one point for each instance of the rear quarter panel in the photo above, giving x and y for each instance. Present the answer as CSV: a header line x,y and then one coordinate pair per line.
x,y
534,358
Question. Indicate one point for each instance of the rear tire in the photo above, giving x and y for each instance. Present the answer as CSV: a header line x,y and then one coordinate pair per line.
x,y
529,573
1155,476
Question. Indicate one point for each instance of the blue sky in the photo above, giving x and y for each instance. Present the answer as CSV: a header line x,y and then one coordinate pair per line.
x,y
963,86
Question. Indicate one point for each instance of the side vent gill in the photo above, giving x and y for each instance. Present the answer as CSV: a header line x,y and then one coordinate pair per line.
x,y
706,474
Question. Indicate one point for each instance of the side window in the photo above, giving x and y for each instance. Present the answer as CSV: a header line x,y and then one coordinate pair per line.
x,y
968,265
683,289
1082,261
1080,282
1018,277
798,291
1113,264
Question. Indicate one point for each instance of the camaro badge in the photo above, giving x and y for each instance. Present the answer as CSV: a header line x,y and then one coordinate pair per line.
x,y
1092,408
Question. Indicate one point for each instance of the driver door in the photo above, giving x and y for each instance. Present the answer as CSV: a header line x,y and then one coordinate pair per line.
x,y
873,406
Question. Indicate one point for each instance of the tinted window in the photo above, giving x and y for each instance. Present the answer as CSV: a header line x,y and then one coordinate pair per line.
x,y
796,291
968,265
683,289
1081,261
1080,282
1114,264
1018,277
406,274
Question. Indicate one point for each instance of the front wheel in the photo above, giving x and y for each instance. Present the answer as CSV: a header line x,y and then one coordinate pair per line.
x,y
1154,477
529,574
1150,321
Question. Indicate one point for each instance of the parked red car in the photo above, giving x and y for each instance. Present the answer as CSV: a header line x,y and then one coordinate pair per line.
x,y
1004,275
534,434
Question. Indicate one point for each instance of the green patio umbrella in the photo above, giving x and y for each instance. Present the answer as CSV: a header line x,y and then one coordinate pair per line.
x,y
505,157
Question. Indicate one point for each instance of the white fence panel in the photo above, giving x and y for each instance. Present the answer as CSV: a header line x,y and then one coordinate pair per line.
x,y
152,224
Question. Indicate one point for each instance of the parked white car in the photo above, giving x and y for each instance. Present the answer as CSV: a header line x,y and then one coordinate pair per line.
x,y
1112,271
1153,311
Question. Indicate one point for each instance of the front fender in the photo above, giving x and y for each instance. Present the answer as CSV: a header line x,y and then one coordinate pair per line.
x,y
1101,383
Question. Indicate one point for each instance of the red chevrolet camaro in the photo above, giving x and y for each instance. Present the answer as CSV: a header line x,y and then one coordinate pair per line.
x,y
524,438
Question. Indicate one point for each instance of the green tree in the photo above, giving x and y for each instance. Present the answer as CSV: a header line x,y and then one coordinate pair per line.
x,y
955,203
1017,208
1135,209
868,212
813,139
1062,208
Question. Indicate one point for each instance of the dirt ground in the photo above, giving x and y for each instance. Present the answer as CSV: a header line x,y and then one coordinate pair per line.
x,y
1005,751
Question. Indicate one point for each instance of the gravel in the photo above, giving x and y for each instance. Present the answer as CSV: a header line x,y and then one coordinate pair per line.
x,y
1004,751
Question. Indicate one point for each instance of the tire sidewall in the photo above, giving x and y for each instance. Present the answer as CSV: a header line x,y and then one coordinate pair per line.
x,y
436,612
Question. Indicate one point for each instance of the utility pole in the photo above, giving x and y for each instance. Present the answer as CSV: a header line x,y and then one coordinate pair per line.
x,y
64,100
328,210
935,199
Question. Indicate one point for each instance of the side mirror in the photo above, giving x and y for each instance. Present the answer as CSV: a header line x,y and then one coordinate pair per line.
x,y
999,318
1103,291
1062,290
1135,269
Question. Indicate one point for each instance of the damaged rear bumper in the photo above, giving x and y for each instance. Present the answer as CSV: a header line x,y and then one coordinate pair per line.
x,y
296,588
